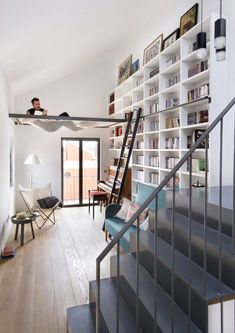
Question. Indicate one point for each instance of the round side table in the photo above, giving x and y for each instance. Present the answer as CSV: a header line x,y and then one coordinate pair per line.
x,y
22,222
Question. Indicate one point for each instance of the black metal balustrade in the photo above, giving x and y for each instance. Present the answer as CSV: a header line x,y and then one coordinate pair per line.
x,y
154,197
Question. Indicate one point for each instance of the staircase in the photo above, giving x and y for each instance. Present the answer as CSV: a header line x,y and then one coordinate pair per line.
x,y
180,274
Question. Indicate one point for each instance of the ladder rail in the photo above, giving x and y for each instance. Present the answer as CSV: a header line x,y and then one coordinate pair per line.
x,y
122,153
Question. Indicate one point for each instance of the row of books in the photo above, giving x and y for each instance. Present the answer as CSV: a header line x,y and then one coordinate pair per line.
x,y
139,97
198,117
198,68
171,162
140,144
154,178
139,81
154,90
198,165
153,126
140,159
154,72
172,122
172,143
191,139
140,175
154,108
172,102
154,161
199,92
173,60
171,81
154,143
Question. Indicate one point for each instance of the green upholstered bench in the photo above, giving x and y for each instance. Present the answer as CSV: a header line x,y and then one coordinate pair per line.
x,y
113,224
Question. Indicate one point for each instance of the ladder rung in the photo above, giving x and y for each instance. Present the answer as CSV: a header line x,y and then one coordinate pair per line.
x,y
115,195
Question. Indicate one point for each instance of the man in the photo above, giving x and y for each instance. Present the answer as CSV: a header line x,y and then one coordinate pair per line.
x,y
37,110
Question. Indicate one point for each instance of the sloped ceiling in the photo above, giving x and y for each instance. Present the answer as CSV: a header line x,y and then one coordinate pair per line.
x,y
43,40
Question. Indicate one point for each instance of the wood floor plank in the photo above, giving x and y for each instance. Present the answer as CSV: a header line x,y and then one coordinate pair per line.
x,y
50,273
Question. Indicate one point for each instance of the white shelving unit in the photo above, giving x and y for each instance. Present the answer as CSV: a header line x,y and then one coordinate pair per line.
x,y
135,93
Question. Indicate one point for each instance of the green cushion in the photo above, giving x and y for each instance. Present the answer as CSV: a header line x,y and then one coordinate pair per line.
x,y
114,225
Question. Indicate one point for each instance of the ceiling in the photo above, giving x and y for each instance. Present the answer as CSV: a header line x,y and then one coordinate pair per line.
x,y
43,40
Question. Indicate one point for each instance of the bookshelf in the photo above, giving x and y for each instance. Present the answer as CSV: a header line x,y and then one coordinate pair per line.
x,y
174,113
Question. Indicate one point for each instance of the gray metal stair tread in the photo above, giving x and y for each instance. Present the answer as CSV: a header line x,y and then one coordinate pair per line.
x,y
146,296
80,319
165,217
181,268
127,323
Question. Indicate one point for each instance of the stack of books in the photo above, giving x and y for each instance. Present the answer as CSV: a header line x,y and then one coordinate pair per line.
x,y
140,144
154,72
173,60
198,117
191,139
172,102
153,143
8,252
172,143
171,162
198,68
140,175
140,159
154,90
153,126
154,178
199,92
154,108
171,81
198,165
172,122
154,161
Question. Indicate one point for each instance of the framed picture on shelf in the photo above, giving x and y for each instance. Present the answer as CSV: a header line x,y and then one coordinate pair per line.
x,y
124,70
171,38
135,66
189,19
153,49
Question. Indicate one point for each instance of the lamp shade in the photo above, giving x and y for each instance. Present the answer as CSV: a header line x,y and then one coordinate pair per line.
x,y
33,159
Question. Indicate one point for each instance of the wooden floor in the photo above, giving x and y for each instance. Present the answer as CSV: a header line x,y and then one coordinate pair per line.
x,y
50,273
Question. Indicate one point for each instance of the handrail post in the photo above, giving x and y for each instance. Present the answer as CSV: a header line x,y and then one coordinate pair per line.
x,y
97,323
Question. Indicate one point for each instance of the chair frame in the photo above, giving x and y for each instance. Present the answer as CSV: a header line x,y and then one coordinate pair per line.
x,y
39,212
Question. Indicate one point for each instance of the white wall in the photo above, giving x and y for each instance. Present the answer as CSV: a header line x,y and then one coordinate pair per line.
x,y
6,193
84,93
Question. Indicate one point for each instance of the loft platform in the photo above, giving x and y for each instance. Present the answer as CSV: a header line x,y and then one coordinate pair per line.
x,y
54,123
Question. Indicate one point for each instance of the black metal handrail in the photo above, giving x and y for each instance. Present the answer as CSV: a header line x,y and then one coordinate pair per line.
x,y
172,174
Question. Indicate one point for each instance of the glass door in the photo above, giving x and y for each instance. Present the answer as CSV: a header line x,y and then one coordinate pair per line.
x,y
80,169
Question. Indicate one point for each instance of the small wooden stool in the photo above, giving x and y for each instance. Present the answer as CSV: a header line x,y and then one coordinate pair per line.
x,y
96,196
22,222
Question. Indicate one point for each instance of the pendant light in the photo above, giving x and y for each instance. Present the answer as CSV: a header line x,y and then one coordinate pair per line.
x,y
201,40
220,31
220,37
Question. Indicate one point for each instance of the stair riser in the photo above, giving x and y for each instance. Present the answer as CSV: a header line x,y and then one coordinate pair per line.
x,y
181,244
92,301
182,203
198,304
129,295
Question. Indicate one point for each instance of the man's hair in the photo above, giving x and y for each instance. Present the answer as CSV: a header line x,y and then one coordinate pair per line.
x,y
35,99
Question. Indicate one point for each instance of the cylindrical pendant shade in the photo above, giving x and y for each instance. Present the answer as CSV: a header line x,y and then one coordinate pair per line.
x,y
220,33
201,45
33,159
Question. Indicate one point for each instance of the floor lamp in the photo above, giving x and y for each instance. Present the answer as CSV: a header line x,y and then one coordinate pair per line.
x,y
32,159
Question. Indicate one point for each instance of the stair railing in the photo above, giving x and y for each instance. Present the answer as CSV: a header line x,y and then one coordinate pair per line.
x,y
154,196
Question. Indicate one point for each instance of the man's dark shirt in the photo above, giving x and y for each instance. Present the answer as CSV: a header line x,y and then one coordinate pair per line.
x,y
32,111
